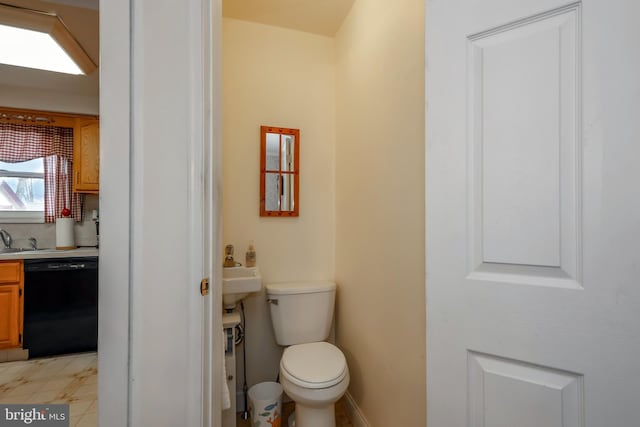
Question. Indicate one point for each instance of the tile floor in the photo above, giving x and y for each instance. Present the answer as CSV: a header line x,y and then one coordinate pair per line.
x,y
68,379
73,379
341,415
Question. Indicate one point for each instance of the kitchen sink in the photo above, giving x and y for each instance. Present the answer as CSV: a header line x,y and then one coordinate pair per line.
x,y
10,250
238,283
18,250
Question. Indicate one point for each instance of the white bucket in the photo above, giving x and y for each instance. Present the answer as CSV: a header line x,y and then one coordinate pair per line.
x,y
265,404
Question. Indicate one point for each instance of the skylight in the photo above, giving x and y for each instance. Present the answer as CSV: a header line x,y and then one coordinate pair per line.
x,y
33,49
37,39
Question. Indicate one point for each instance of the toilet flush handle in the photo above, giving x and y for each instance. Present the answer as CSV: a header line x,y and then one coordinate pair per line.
x,y
273,301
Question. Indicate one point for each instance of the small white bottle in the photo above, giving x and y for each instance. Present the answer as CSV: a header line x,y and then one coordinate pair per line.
x,y
250,259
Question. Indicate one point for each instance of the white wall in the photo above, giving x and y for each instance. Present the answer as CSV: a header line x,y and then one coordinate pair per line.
x,y
278,77
48,100
380,323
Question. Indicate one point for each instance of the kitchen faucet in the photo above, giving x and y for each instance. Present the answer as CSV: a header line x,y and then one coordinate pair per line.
x,y
6,238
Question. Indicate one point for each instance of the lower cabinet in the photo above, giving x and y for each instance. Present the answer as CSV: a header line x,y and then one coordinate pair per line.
x,y
11,303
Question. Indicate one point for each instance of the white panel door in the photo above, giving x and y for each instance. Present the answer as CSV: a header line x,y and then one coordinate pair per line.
x,y
533,213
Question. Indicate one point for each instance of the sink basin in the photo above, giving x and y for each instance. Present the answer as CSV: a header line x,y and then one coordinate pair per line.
x,y
238,283
18,250
10,250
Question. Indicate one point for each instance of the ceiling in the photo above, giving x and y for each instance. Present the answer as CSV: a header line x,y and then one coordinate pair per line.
x,y
313,16
81,17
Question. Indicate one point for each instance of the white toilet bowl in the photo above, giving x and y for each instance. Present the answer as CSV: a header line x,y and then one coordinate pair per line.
x,y
315,376
313,372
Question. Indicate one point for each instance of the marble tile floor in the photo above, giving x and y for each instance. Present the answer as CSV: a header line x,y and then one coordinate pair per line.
x,y
287,408
68,379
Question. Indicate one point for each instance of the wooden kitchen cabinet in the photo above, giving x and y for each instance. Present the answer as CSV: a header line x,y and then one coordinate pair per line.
x,y
11,303
86,156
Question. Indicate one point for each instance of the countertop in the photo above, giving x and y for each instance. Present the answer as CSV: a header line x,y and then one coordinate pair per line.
x,y
50,253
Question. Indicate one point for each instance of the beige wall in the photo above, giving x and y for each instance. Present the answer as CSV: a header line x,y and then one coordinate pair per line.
x,y
380,323
359,102
279,77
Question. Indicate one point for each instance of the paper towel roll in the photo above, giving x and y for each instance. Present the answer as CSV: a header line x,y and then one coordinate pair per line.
x,y
64,234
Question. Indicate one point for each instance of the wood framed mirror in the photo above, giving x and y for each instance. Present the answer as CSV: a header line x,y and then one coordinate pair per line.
x,y
279,171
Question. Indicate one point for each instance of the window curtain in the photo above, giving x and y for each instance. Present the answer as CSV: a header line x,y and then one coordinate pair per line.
x,y
22,142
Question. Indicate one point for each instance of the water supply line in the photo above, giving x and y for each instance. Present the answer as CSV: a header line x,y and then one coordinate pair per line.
x,y
245,413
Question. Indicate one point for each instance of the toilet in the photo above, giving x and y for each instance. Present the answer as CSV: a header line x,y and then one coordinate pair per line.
x,y
313,372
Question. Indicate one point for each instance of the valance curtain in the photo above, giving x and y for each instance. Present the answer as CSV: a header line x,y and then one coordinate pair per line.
x,y
22,142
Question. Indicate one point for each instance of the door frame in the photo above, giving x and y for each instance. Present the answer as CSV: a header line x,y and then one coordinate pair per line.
x,y
114,262
122,104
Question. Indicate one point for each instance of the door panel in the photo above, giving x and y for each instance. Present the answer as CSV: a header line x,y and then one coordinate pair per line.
x,y
507,393
533,215
86,155
522,106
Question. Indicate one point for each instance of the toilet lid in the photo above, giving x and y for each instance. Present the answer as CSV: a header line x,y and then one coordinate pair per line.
x,y
313,365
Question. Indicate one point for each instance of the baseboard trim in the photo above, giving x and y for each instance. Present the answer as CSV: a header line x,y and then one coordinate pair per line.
x,y
14,354
354,413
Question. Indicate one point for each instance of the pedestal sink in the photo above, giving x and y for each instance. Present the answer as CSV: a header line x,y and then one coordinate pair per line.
x,y
238,283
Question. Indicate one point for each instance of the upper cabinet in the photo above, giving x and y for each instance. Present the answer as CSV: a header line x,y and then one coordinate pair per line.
x,y
86,156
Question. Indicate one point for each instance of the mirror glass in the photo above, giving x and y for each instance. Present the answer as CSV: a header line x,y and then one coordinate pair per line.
x,y
273,148
286,196
272,186
287,152
279,171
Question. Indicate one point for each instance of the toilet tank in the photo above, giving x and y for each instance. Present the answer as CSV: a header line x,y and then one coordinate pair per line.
x,y
301,312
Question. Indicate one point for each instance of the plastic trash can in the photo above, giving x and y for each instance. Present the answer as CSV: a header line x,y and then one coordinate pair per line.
x,y
265,404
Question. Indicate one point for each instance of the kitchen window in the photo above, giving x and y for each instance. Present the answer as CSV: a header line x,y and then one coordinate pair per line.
x,y
22,191
36,169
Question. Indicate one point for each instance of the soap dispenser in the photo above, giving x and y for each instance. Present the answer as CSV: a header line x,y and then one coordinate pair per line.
x,y
250,259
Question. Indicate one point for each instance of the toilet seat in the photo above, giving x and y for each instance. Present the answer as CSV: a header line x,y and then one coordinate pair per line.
x,y
313,365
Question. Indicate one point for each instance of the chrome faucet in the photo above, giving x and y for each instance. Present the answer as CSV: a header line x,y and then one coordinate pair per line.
x,y
33,242
228,259
6,238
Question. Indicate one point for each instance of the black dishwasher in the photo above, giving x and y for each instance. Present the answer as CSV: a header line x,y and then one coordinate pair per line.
x,y
60,305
